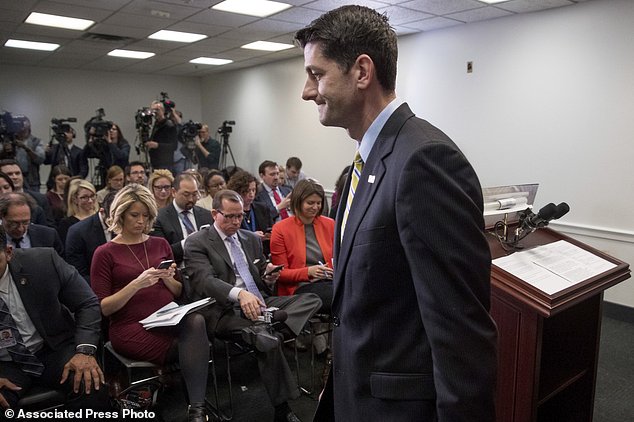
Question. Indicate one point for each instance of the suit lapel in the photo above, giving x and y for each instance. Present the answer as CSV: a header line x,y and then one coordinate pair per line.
x,y
174,219
218,245
28,294
369,183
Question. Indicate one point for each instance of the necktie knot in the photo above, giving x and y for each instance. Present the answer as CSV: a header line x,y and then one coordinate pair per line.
x,y
18,241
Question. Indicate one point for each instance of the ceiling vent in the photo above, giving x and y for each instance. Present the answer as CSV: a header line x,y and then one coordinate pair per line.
x,y
92,36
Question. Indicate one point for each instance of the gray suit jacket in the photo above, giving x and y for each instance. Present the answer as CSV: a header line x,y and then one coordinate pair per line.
x,y
168,226
210,272
57,299
413,340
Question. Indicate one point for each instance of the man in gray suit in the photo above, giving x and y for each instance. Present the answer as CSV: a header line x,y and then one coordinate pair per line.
x,y
413,340
221,261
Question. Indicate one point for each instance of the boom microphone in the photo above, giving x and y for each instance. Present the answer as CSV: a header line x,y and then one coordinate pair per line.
x,y
534,221
562,209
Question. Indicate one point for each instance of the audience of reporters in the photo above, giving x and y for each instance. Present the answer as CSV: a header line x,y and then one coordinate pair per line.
x,y
55,195
160,184
15,213
51,346
303,245
81,203
136,172
336,196
125,277
29,154
276,197
84,237
68,154
257,216
114,181
214,182
181,217
228,264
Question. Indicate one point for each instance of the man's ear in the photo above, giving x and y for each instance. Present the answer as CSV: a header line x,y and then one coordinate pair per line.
x,y
8,252
365,71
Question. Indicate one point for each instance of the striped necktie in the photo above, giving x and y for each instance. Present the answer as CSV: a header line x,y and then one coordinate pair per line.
x,y
354,182
242,268
187,222
18,352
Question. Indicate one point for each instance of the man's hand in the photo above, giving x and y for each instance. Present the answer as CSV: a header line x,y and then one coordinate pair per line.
x,y
85,367
151,144
271,276
5,383
284,203
250,304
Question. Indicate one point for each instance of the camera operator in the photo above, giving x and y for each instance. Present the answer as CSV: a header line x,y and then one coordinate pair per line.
x,y
29,154
66,153
164,138
207,149
105,142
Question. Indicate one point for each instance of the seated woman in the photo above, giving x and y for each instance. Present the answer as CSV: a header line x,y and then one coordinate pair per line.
x,y
160,183
214,182
55,196
126,280
114,181
81,203
303,243
257,216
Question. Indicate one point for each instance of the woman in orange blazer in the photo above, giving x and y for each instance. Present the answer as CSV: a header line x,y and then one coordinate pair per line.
x,y
303,245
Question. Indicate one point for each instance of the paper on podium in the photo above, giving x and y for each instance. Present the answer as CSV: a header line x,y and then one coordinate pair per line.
x,y
172,313
554,267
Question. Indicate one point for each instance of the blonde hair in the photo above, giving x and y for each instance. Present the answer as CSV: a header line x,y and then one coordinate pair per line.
x,y
159,174
124,199
73,190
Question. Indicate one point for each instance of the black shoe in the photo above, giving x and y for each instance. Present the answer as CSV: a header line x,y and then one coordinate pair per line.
x,y
259,337
197,413
287,416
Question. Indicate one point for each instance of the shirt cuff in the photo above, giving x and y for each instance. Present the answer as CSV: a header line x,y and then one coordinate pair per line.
x,y
233,294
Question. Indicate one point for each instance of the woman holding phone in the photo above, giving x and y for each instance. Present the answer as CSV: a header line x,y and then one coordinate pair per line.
x,y
126,278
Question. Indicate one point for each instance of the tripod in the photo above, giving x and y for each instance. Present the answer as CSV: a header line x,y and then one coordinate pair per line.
x,y
226,148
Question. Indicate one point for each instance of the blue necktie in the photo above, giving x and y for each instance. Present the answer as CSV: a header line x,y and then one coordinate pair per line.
x,y
187,222
19,352
242,267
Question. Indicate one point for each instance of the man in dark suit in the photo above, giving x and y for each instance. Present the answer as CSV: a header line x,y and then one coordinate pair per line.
x,y
212,259
15,213
413,339
276,196
182,217
49,325
86,236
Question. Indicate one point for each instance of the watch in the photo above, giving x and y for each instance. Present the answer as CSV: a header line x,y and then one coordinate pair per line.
x,y
86,349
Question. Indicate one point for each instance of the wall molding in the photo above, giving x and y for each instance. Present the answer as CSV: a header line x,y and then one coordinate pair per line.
x,y
594,231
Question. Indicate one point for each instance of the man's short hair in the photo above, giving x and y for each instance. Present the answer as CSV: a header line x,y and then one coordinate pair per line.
x,y
229,195
345,33
132,164
185,176
265,164
11,199
294,162
9,162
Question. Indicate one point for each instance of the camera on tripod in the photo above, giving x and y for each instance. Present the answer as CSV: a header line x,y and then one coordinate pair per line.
x,y
59,127
96,130
226,128
10,126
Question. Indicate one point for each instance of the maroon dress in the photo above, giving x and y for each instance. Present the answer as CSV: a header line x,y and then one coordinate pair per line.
x,y
114,265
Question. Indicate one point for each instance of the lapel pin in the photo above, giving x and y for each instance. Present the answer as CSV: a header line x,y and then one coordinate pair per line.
x,y
23,281
371,178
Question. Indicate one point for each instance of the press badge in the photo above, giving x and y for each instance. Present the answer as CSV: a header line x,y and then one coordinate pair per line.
x,y
6,339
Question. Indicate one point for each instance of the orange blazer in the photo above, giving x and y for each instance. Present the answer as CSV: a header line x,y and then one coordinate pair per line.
x,y
288,248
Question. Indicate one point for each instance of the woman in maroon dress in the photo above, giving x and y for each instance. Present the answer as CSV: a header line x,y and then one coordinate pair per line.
x,y
125,277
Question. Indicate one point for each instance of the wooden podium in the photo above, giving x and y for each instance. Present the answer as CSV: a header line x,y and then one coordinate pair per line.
x,y
548,344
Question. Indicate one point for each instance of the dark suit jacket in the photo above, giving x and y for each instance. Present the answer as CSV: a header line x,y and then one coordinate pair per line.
x,y
82,240
45,237
58,301
42,214
413,338
264,221
168,226
210,272
263,197
78,161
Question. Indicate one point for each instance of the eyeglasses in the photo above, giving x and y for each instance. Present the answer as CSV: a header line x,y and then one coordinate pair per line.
x,y
16,224
231,216
163,187
137,172
188,195
87,198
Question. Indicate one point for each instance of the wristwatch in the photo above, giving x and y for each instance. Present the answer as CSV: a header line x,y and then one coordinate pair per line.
x,y
86,349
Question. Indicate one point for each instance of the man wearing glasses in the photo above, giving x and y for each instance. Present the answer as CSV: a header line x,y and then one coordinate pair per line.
x,y
227,263
182,217
15,213
135,172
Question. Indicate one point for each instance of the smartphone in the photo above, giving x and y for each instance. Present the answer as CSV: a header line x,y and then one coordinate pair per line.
x,y
165,264
274,270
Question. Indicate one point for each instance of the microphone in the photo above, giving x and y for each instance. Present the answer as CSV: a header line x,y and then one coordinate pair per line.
x,y
562,209
533,221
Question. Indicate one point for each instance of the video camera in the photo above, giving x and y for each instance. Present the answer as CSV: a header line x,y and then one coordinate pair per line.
x,y
187,133
226,128
168,104
10,126
60,127
96,127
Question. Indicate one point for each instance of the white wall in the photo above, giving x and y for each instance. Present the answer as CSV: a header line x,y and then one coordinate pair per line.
x,y
550,100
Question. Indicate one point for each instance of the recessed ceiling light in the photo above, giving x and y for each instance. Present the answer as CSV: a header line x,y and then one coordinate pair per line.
x,y
176,36
267,46
31,45
211,61
131,54
493,1
58,21
260,8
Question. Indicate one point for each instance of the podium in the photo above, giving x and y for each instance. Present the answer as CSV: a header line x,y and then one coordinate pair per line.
x,y
548,343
